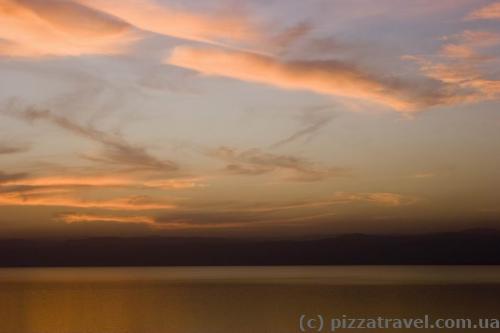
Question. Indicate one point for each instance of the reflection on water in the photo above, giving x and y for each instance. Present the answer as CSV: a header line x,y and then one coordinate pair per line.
x,y
245,299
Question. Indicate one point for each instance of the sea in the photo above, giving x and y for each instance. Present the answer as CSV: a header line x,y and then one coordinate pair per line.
x,y
249,299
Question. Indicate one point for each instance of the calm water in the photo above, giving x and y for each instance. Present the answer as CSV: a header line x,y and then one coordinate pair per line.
x,y
246,299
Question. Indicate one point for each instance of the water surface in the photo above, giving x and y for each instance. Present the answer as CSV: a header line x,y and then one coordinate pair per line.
x,y
236,299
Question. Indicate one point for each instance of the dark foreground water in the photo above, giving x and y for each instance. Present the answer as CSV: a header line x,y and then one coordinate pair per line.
x,y
245,299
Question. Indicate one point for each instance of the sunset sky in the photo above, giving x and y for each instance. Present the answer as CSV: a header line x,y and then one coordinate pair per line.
x,y
248,118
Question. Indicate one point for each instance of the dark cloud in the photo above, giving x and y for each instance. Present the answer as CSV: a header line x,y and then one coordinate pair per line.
x,y
12,149
206,218
291,35
7,177
257,162
115,149
239,169
313,121
261,213
232,217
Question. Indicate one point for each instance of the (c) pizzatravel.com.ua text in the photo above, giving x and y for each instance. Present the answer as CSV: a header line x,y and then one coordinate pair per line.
x,y
322,323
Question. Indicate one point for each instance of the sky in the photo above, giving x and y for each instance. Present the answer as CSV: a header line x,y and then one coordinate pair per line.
x,y
248,118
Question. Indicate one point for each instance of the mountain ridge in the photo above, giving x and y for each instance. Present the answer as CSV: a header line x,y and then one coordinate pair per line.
x,y
468,247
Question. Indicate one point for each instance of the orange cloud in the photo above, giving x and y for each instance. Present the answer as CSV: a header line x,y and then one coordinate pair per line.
x,y
424,175
79,218
479,38
463,68
105,181
151,16
34,198
69,181
458,51
466,45
339,198
324,77
35,28
464,83
146,220
488,12
379,198
174,183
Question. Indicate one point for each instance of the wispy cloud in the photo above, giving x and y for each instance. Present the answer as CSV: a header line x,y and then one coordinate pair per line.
x,y
257,162
116,149
35,28
324,77
461,65
488,12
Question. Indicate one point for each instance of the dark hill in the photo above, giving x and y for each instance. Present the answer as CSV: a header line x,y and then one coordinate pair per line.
x,y
472,247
